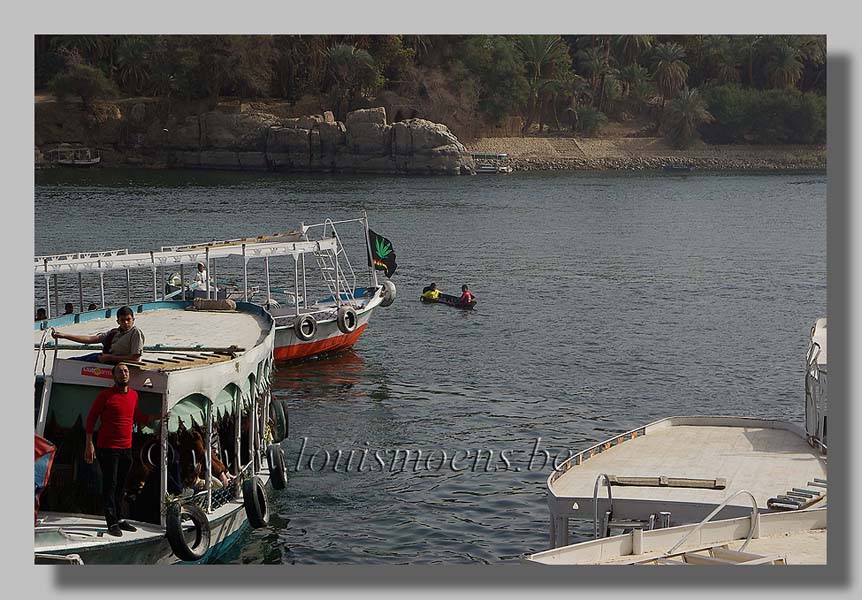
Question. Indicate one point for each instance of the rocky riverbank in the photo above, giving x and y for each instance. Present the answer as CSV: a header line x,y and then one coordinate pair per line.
x,y
624,153
144,132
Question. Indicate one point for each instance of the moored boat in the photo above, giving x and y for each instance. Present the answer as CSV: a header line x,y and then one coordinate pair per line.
x,y
676,470
318,267
780,538
203,378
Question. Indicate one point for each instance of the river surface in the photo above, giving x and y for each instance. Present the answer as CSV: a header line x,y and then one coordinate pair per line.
x,y
606,301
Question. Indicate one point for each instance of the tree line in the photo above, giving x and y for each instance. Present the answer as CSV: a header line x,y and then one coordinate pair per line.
x,y
724,88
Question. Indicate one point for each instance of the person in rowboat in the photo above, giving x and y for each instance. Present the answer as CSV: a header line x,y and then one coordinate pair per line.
x,y
41,314
430,292
121,344
466,296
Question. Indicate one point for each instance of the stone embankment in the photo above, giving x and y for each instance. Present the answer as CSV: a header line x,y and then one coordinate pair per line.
x,y
133,133
560,153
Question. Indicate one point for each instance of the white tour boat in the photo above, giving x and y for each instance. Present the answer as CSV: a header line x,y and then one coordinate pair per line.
x,y
676,470
318,266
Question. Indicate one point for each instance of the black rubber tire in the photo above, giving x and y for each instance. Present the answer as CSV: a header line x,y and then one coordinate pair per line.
x,y
286,418
180,546
279,420
277,468
303,323
347,319
255,502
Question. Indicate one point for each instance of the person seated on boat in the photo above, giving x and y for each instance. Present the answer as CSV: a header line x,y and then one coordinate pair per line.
x,y
466,296
430,292
69,309
92,306
41,314
121,344
200,285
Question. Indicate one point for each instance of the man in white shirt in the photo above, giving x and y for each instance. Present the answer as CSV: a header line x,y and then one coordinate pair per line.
x,y
201,282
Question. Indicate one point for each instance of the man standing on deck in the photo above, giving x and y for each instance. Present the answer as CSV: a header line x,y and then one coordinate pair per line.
x,y
116,409
200,285
123,343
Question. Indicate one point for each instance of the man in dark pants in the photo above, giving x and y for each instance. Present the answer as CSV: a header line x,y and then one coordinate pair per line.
x,y
116,409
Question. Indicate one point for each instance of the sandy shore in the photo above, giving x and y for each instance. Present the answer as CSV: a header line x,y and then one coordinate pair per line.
x,y
550,153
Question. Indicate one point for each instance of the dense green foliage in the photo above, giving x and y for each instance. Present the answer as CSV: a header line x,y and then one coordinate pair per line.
x,y
757,88
765,116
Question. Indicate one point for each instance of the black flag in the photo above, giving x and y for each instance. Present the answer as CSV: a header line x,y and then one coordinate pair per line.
x,y
382,254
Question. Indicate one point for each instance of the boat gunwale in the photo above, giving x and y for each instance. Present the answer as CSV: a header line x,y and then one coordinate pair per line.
x,y
664,423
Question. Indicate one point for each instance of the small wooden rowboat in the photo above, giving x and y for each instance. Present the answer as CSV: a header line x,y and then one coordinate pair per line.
x,y
449,300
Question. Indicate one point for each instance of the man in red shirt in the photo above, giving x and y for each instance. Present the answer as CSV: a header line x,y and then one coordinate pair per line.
x,y
116,408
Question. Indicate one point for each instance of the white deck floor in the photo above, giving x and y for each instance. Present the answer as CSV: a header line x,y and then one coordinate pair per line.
x,y
174,328
764,461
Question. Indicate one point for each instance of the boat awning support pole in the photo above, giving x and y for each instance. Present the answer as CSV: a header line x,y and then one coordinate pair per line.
x,y
56,295
266,268
102,284
154,268
237,415
182,281
80,292
48,294
206,281
214,280
163,459
128,287
335,261
296,284
209,456
244,275
304,286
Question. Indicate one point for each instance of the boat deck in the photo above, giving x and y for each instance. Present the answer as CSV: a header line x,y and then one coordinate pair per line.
x,y
763,460
190,338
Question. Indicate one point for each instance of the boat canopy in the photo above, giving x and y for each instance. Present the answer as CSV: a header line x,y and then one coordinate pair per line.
x,y
120,260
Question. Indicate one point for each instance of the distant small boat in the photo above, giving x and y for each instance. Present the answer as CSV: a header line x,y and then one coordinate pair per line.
x,y
492,163
66,156
677,168
449,300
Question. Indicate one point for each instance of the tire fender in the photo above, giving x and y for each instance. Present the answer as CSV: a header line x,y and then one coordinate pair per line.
x,y
277,468
388,293
305,328
180,545
347,320
255,502
279,419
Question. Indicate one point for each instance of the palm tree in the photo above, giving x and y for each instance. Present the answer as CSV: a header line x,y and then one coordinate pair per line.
x,y
686,112
540,54
784,67
592,63
133,63
722,59
630,48
351,68
670,70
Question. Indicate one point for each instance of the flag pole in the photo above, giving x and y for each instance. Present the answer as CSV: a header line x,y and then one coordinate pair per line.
x,y
368,244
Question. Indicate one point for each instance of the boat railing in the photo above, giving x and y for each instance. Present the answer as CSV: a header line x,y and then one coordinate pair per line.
x,y
596,502
755,521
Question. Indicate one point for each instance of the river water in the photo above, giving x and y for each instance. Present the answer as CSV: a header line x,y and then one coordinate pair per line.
x,y
606,301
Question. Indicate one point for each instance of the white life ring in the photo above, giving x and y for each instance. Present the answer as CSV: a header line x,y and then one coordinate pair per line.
x,y
305,328
388,293
347,320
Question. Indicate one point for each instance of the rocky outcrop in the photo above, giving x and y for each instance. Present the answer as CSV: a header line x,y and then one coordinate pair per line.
x,y
138,133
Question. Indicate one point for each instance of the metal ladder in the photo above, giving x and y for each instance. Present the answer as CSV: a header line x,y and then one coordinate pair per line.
x,y
331,268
